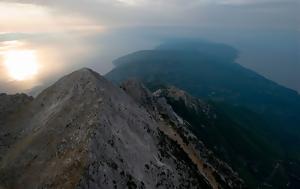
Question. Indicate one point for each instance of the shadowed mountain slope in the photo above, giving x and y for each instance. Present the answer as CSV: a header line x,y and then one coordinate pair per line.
x,y
244,143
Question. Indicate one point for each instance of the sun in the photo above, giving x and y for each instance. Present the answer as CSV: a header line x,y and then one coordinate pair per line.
x,y
21,64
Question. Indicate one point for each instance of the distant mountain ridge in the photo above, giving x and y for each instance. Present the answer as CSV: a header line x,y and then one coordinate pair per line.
x,y
208,76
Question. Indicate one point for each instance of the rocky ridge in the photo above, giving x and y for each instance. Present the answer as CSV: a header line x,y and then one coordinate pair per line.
x,y
84,132
218,173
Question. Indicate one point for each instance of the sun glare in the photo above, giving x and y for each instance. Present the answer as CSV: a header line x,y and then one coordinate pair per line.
x,y
21,65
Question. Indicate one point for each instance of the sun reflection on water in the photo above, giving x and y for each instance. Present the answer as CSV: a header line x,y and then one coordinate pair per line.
x,y
21,64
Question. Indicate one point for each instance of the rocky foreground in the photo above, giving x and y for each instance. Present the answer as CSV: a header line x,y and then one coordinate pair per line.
x,y
85,132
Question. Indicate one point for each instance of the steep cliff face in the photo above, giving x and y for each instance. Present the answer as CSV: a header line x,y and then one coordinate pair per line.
x,y
84,132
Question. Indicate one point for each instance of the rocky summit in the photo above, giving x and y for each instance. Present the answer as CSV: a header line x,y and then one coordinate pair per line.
x,y
85,132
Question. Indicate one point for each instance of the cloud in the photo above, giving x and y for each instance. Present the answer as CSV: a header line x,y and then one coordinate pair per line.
x,y
33,18
206,13
256,2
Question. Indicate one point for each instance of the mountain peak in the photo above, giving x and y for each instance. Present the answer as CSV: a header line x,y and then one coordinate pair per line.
x,y
85,69
83,74
80,84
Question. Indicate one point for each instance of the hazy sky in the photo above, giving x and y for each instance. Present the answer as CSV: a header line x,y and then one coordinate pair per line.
x,y
63,35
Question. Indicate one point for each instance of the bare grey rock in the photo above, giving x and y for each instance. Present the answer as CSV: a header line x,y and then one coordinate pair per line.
x,y
179,95
84,132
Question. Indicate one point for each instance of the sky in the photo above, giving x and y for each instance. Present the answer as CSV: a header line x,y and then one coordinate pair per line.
x,y
54,37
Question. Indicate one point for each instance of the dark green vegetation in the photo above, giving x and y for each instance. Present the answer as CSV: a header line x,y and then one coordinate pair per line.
x,y
246,146
257,126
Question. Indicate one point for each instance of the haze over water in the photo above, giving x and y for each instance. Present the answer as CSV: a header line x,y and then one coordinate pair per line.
x,y
42,40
